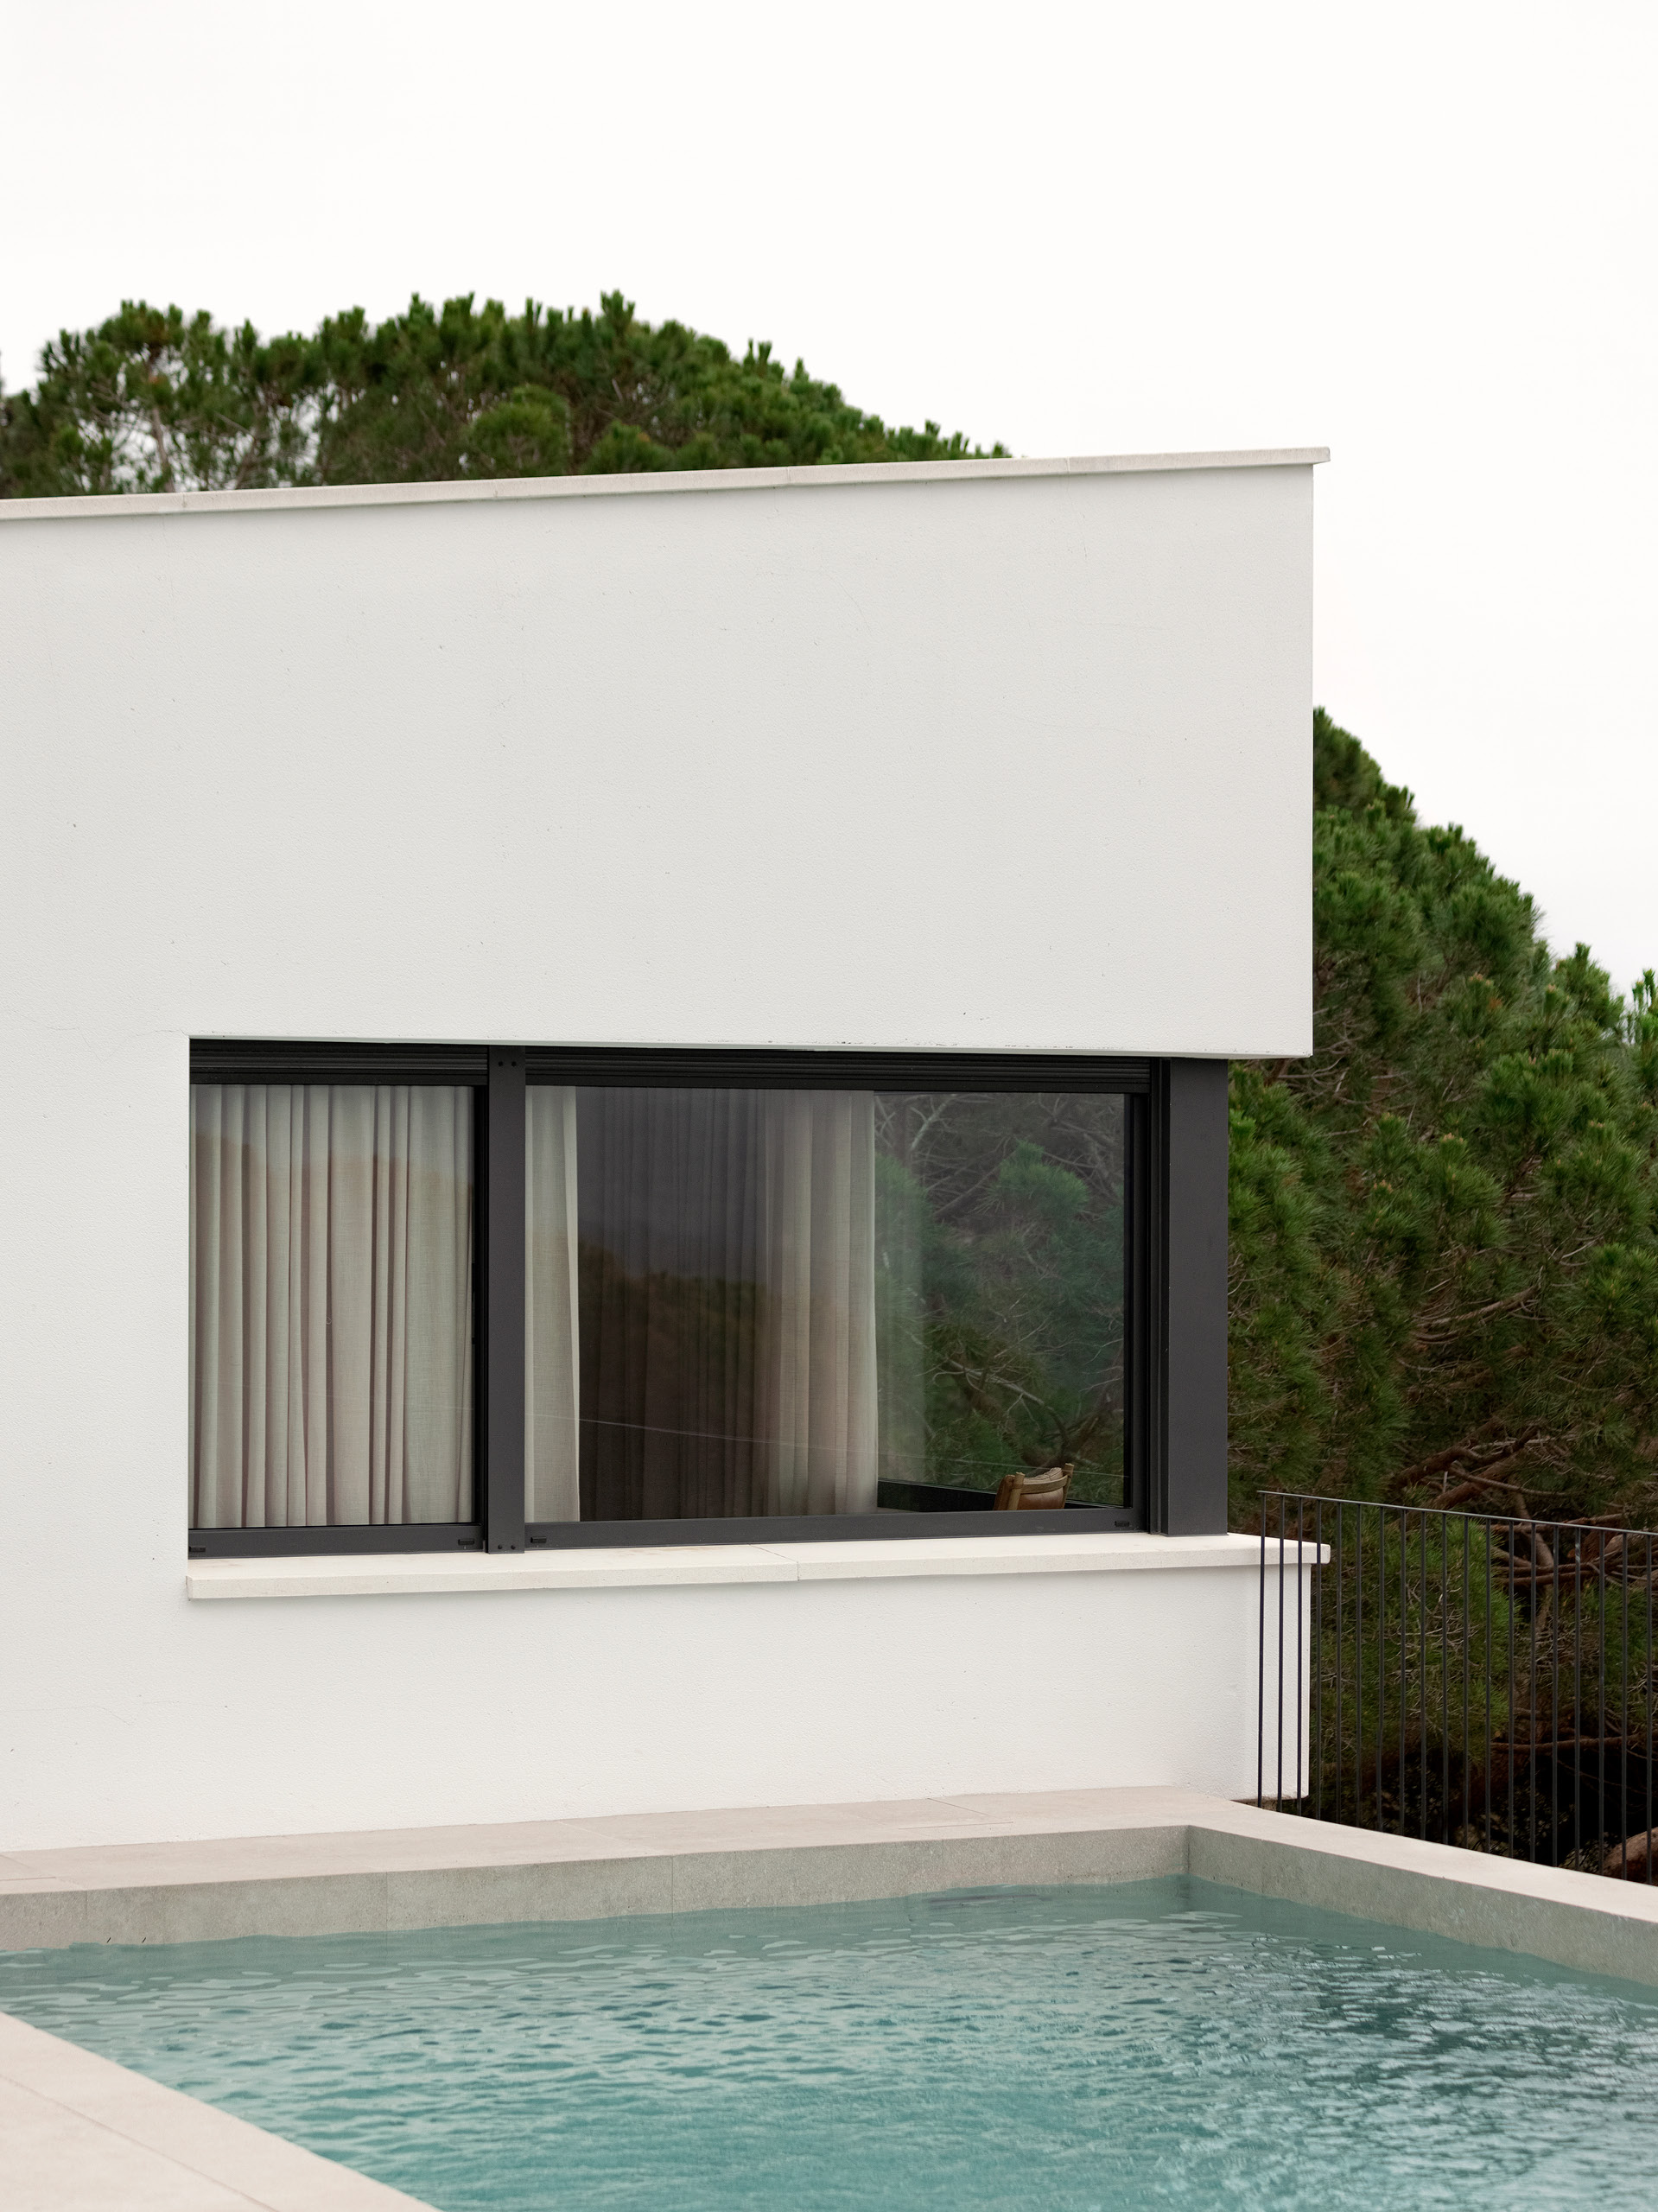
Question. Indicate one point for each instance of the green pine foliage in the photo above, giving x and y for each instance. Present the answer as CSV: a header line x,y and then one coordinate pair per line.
x,y
155,400
1445,1269
999,1287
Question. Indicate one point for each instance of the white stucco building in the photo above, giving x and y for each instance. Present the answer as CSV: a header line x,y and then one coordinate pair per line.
x,y
592,1068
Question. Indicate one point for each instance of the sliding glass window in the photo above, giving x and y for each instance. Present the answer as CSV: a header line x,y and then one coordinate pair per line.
x,y
731,1293
758,1302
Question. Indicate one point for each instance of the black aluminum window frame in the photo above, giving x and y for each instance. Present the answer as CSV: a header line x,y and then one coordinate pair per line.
x,y
1171,1235
228,1061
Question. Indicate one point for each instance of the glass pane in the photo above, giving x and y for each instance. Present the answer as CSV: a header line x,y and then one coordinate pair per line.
x,y
331,1305
758,1302
999,1292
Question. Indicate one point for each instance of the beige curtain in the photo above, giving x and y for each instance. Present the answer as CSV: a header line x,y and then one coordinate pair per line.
x,y
331,1299
726,1337
820,1418
552,1364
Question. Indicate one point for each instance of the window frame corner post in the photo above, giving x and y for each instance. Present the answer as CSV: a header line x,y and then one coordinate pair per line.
x,y
502,1467
1189,1427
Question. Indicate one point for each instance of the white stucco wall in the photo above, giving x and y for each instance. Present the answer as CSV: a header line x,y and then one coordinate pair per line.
x,y
994,761
977,757
146,1717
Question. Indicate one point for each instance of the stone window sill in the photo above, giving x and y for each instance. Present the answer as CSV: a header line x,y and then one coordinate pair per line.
x,y
627,1567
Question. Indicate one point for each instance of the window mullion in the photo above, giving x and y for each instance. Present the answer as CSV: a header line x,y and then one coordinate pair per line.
x,y
502,1470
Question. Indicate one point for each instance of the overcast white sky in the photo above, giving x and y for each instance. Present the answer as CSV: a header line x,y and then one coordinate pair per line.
x,y
1422,235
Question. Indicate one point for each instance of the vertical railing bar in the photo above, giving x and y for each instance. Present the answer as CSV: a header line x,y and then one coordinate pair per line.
x,y
1577,1692
1382,1652
1531,1794
1514,1840
1424,1687
1260,1671
1340,1562
1317,1653
1358,1667
1421,1679
1467,1820
1283,1509
1381,1670
1555,1691
1441,1524
1300,1608
1624,1713
1405,1649
1650,1705
1445,1678
1600,1764
1489,1673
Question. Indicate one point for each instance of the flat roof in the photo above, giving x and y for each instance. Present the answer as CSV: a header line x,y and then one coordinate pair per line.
x,y
641,484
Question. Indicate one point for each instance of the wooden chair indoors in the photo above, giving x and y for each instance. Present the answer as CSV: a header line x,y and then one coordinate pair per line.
x,y
1040,1493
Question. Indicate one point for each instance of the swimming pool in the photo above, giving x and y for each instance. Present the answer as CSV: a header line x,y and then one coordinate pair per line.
x,y
1153,2043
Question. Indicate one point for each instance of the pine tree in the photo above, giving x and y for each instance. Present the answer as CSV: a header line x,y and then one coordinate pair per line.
x,y
155,400
1444,1259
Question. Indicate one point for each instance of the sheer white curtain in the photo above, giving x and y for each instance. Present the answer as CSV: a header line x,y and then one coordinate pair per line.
x,y
821,1418
722,1344
552,1366
331,1298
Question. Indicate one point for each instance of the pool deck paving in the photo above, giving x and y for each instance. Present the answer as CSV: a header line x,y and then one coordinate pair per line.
x,y
78,2133
81,2134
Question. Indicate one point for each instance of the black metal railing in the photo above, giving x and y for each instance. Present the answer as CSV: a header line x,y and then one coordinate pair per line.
x,y
1468,1678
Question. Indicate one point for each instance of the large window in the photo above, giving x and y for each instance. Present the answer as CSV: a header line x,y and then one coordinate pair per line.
x,y
604,1297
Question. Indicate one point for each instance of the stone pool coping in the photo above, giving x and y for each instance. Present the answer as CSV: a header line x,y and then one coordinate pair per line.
x,y
84,2135
596,1868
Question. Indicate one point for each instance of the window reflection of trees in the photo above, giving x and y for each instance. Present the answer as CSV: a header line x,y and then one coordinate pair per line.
x,y
1000,1221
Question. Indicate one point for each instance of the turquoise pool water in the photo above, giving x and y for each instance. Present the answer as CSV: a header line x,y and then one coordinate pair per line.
x,y
1166,2043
